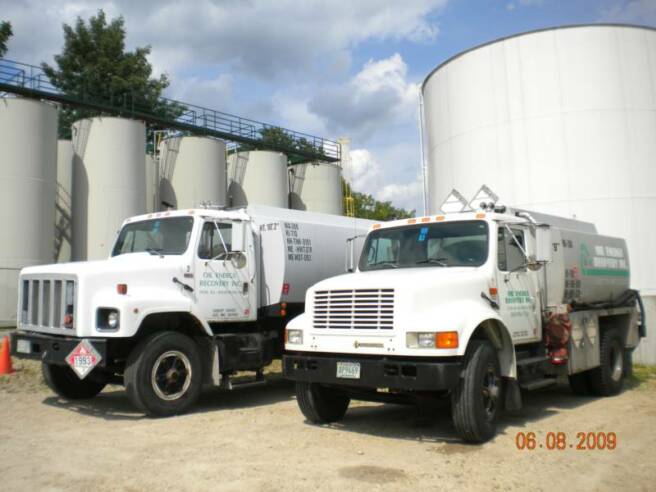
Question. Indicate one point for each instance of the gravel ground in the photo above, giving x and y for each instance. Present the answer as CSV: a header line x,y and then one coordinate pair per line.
x,y
256,439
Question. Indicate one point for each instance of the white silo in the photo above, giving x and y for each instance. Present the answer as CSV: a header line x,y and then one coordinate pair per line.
x,y
28,139
109,180
193,170
316,187
258,177
63,202
561,121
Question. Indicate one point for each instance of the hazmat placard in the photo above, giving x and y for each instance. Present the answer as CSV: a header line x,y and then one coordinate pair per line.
x,y
83,358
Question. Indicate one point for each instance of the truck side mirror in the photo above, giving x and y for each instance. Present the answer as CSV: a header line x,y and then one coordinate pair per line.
x,y
238,236
350,262
543,243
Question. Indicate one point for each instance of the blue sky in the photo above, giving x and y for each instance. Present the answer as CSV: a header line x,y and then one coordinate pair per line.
x,y
329,67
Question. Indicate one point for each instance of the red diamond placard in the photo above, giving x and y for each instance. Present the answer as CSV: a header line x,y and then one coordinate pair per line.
x,y
83,358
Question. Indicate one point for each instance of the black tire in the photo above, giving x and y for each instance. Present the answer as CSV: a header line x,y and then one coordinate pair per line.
x,y
320,404
477,400
580,383
163,374
63,381
608,378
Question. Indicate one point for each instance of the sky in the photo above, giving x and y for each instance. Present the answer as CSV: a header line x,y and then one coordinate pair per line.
x,y
329,68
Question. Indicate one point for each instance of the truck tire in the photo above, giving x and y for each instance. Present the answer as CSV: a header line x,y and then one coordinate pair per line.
x,y
579,383
63,381
477,400
608,378
320,404
163,374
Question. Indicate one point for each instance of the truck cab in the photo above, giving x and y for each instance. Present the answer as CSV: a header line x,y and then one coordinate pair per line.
x,y
472,306
187,298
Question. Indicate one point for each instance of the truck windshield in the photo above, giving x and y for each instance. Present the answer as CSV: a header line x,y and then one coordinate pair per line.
x,y
168,236
445,244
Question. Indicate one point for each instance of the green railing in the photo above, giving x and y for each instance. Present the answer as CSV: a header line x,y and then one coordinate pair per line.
x,y
31,81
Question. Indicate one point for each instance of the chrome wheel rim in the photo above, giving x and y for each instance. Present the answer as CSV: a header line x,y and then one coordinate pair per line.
x,y
171,375
490,392
616,362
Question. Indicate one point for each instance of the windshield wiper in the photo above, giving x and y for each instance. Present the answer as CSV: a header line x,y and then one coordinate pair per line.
x,y
155,251
436,261
382,264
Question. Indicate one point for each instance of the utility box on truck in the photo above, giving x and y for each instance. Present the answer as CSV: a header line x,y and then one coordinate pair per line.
x,y
187,298
472,305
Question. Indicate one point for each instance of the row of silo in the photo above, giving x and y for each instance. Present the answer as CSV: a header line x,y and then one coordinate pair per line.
x,y
560,121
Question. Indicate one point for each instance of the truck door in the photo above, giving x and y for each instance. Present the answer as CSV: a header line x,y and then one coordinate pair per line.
x,y
225,272
519,300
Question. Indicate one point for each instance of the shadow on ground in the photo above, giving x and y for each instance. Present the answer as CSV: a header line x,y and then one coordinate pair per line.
x,y
114,404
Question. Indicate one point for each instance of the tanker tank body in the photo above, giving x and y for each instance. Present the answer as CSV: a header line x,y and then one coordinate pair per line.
x,y
316,187
109,179
193,171
299,248
28,139
258,177
64,202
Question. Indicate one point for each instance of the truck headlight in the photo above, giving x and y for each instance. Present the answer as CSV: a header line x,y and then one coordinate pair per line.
x,y
440,339
112,320
294,337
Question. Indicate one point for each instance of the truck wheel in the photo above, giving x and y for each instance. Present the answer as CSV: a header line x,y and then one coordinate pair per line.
x,y
319,404
579,383
163,374
608,378
476,401
63,381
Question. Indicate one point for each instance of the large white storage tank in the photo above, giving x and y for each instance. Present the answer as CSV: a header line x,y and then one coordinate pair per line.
x,y
258,177
316,187
28,167
561,121
193,170
64,202
109,180
152,183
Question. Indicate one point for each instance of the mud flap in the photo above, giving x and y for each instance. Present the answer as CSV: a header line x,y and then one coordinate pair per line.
x,y
513,398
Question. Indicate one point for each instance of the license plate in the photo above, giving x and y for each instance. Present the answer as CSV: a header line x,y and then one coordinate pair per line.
x,y
23,346
348,370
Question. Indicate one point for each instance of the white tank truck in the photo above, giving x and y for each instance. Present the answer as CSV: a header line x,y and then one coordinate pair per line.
x,y
187,299
472,305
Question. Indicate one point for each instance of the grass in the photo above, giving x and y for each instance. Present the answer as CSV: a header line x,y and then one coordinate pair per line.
x,y
643,375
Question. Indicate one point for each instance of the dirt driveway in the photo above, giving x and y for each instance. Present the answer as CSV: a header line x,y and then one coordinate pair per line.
x,y
256,439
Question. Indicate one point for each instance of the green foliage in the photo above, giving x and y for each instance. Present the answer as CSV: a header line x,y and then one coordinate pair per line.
x,y
5,34
278,138
94,65
367,207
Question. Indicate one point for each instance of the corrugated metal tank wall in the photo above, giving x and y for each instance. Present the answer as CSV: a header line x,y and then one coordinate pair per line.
x,y
109,180
561,121
193,170
28,157
258,177
316,187
63,203
152,183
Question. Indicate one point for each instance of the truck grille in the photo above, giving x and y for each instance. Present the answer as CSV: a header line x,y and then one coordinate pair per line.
x,y
369,309
45,302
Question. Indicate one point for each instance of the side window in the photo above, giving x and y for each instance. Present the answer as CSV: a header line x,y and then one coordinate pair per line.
x,y
212,241
384,250
510,256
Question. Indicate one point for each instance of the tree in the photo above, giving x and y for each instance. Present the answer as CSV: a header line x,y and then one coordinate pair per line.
x,y
279,138
5,34
94,66
367,207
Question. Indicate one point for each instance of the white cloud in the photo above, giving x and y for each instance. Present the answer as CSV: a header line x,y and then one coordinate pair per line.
x,y
261,37
406,195
379,96
510,6
634,11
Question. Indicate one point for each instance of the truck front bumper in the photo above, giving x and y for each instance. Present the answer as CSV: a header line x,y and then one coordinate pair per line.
x,y
398,373
52,349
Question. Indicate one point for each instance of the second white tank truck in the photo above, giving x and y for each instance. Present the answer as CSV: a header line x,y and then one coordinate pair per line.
x,y
471,305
